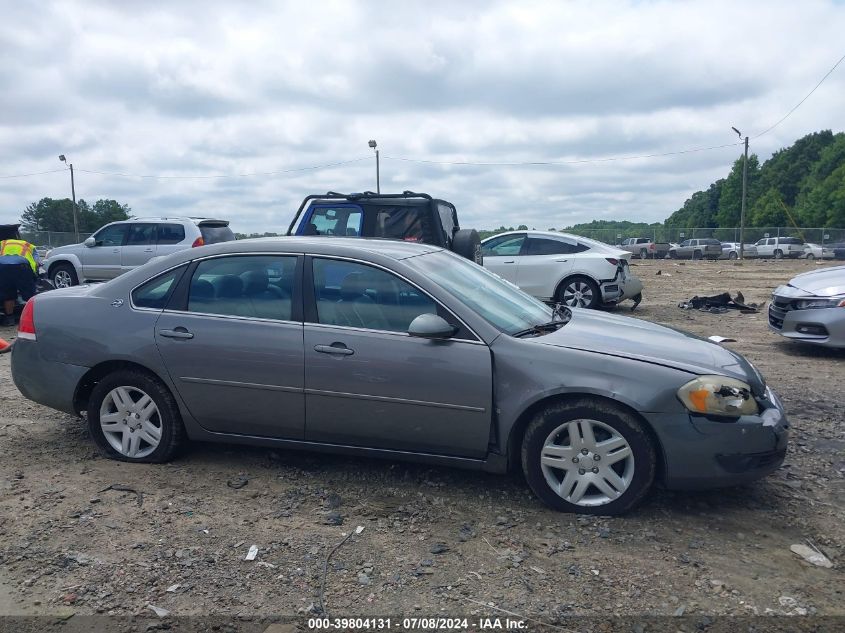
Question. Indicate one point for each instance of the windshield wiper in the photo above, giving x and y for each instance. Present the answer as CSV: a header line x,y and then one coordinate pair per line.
x,y
561,315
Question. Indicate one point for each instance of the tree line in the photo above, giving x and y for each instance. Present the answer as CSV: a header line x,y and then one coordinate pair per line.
x,y
57,215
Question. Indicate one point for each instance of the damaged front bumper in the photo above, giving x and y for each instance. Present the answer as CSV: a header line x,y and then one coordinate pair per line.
x,y
703,452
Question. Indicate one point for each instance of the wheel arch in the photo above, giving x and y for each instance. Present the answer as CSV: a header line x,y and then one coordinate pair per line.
x,y
517,430
98,372
73,260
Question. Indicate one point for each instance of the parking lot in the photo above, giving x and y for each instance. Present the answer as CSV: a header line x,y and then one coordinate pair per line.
x,y
435,540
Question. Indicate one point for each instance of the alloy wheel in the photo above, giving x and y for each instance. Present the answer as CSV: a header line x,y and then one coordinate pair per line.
x,y
577,294
62,279
130,421
587,462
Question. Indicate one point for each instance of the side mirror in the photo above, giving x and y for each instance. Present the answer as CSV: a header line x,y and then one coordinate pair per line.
x,y
89,242
431,326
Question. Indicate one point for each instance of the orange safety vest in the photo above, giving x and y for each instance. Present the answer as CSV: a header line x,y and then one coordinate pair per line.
x,y
20,248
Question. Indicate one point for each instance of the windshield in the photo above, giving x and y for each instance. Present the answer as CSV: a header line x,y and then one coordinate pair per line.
x,y
505,306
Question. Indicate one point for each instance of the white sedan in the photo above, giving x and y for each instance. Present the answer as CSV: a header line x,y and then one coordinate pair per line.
x,y
562,268
816,251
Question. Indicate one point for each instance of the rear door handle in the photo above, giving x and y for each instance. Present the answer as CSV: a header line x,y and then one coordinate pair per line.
x,y
510,262
562,261
148,250
179,332
335,348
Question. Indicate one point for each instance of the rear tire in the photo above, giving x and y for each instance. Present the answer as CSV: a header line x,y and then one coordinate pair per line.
x,y
467,243
733,255
578,292
148,430
64,276
588,456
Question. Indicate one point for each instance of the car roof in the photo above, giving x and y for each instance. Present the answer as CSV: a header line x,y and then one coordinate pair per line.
x,y
340,246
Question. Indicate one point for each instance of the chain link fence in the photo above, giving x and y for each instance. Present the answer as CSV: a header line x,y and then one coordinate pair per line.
x,y
52,239
812,235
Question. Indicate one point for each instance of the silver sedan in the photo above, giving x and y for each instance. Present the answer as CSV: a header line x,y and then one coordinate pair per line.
x,y
396,350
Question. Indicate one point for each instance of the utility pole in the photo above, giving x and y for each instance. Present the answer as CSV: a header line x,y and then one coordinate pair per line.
x,y
744,190
72,193
374,145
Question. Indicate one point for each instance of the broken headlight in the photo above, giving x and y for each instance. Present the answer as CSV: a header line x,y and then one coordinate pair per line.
x,y
808,304
718,395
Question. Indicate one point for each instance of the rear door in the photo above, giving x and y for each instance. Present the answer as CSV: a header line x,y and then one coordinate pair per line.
x,y
502,255
368,383
544,262
170,237
103,260
231,340
140,246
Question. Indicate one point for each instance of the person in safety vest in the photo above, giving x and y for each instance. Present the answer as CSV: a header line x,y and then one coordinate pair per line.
x,y
18,272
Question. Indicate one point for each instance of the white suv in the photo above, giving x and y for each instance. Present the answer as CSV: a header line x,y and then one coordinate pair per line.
x,y
122,246
779,247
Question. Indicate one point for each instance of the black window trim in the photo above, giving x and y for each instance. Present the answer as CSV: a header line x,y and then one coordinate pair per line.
x,y
108,226
172,291
502,237
154,239
310,301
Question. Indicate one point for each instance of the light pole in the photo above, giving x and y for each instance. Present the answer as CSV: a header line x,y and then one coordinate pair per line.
x,y
72,193
374,145
744,188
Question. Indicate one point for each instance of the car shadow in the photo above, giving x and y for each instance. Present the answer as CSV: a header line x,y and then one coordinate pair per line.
x,y
798,348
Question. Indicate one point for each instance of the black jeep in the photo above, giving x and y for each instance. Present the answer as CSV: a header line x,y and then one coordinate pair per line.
x,y
408,216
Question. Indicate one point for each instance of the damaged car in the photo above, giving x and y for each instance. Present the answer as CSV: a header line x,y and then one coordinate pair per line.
x,y
561,268
396,350
811,308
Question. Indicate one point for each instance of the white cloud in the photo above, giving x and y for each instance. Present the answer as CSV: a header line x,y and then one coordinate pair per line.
x,y
200,88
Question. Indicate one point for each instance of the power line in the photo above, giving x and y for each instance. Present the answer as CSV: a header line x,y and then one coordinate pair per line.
x,y
786,116
213,176
561,162
37,173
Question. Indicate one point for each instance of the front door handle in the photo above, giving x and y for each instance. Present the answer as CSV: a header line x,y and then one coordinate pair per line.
x,y
561,261
510,262
148,250
335,348
179,332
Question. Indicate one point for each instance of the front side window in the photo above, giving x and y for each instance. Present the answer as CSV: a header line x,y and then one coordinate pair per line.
x,y
113,235
356,295
141,234
156,292
504,246
252,286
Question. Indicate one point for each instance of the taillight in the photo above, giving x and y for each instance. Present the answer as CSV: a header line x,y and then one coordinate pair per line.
x,y
615,262
26,326
198,242
652,246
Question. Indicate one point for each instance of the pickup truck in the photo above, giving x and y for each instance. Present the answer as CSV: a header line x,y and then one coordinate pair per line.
x,y
706,248
407,216
644,247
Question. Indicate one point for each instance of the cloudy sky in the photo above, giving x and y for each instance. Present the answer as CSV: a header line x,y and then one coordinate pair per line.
x,y
202,89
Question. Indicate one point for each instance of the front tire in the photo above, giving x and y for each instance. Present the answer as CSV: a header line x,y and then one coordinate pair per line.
x,y
643,253
778,254
64,276
696,255
133,417
733,255
579,292
810,256
588,456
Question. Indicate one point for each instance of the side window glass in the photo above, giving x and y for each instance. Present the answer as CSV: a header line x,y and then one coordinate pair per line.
x,y
156,292
253,286
543,246
506,246
356,295
170,233
111,235
140,234
342,221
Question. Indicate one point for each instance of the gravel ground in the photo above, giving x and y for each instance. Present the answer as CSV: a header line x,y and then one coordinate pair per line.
x,y
435,540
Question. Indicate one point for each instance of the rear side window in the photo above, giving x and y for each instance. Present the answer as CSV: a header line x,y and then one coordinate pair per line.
x,y
342,221
141,234
170,233
544,246
256,286
156,292
216,233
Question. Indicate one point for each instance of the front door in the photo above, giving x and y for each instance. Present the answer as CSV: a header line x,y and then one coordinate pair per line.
x,y
232,344
102,261
368,383
501,255
140,246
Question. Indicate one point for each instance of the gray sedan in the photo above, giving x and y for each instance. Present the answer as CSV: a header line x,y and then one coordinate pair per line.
x,y
396,350
811,308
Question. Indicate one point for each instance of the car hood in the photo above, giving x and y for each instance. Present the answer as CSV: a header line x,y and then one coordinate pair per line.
x,y
827,282
626,337
71,248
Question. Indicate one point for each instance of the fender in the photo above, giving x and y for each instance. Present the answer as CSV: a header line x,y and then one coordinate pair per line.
x,y
70,258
